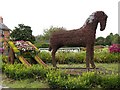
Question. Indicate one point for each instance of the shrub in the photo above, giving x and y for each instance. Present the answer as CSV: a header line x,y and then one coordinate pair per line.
x,y
58,79
106,57
110,81
68,58
115,48
45,56
86,80
63,57
42,45
19,71
79,57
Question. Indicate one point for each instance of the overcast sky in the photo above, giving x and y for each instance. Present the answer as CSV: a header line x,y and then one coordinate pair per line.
x,y
70,14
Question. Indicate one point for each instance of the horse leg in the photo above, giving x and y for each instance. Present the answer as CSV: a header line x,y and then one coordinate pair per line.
x,y
53,57
92,57
87,57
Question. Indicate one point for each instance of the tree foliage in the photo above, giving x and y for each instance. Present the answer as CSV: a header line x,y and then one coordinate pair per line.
x,y
100,41
47,33
43,40
22,32
109,40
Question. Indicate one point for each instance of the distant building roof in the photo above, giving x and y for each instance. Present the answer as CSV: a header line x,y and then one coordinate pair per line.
x,y
3,27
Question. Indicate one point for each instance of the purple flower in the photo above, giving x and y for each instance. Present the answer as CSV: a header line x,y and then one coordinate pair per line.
x,y
1,50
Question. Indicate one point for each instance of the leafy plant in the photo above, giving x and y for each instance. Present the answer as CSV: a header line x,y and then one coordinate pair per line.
x,y
79,57
45,56
22,32
110,81
4,58
59,79
86,80
19,71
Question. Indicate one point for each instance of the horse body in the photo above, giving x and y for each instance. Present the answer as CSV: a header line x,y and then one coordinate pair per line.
x,y
84,36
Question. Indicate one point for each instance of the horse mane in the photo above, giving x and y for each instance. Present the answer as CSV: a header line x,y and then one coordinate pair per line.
x,y
90,18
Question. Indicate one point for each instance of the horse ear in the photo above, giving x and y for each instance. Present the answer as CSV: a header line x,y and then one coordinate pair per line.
x,y
100,13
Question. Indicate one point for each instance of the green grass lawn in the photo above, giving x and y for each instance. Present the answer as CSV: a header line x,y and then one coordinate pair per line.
x,y
27,83
108,66
31,83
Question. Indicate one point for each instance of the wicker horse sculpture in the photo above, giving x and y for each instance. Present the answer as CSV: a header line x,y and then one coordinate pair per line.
x,y
82,37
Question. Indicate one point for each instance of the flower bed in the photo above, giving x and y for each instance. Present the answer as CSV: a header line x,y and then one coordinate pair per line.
x,y
23,46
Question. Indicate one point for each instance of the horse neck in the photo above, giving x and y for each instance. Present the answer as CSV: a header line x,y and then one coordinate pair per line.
x,y
91,28
93,25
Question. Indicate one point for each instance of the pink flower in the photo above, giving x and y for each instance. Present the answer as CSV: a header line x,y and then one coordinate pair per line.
x,y
23,45
1,50
115,48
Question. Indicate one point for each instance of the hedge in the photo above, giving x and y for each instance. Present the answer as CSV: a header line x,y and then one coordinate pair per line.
x,y
86,80
58,78
19,71
76,57
79,57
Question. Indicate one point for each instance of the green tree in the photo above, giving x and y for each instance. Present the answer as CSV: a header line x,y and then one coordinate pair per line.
x,y
39,38
109,38
100,41
116,39
112,39
47,32
43,40
22,32
119,40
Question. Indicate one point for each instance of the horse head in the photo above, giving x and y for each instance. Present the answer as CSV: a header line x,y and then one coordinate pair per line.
x,y
102,18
